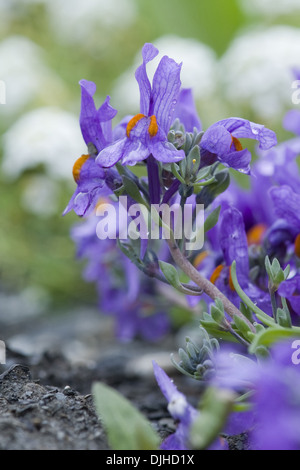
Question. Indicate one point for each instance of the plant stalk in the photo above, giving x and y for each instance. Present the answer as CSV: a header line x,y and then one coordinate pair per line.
x,y
210,289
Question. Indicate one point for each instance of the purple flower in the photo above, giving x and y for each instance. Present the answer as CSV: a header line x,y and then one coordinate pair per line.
x,y
95,123
291,121
220,142
182,412
290,290
276,401
286,230
96,130
274,167
146,133
178,408
122,292
91,185
286,206
186,111
234,244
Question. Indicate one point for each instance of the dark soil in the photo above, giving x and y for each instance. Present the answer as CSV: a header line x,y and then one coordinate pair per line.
x,y
45,386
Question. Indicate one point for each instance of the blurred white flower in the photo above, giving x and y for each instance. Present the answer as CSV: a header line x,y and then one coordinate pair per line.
x,y
199,71
47,136
271,8
40,196
25,74
77,20
256,70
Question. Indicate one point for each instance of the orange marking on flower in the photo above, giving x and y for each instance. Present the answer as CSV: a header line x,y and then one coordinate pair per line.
x,y
256,233
237,144
199,258
133,122
230,281
78,165
297,246
153,126
102,203
216,274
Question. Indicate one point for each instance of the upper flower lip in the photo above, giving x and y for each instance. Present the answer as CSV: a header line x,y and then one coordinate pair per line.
x,y
147,131
91,118
95,126
159,100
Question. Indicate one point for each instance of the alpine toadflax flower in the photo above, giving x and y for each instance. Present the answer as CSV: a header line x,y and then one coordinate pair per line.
x,y
146,133
220,142
96,131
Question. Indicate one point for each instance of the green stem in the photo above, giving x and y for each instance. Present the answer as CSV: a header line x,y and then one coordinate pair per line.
x,y
210,289
273,303
262,316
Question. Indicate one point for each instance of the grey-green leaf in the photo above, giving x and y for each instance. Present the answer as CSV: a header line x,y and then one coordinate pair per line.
x,y
215,408
212,219
126,427
271,335
133,191
170,274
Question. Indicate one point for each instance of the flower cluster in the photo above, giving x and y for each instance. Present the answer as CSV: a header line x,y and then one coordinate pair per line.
x,y
244,280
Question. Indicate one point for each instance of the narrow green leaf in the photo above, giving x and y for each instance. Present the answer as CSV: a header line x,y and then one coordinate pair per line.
x,y
215,409
279,278
217,315
182,166
261,315
272,335
246,311
193,160
203,173
283,318
174,169
242,326
197,136
170,273
212,219
188,142
130,253
126,427
120,191
172,276
268,267
215,331
259,327
219,304
133,191
198,186
276,268
261,352
286,272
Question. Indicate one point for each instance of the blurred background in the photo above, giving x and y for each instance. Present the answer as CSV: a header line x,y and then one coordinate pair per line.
x,y
236,55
